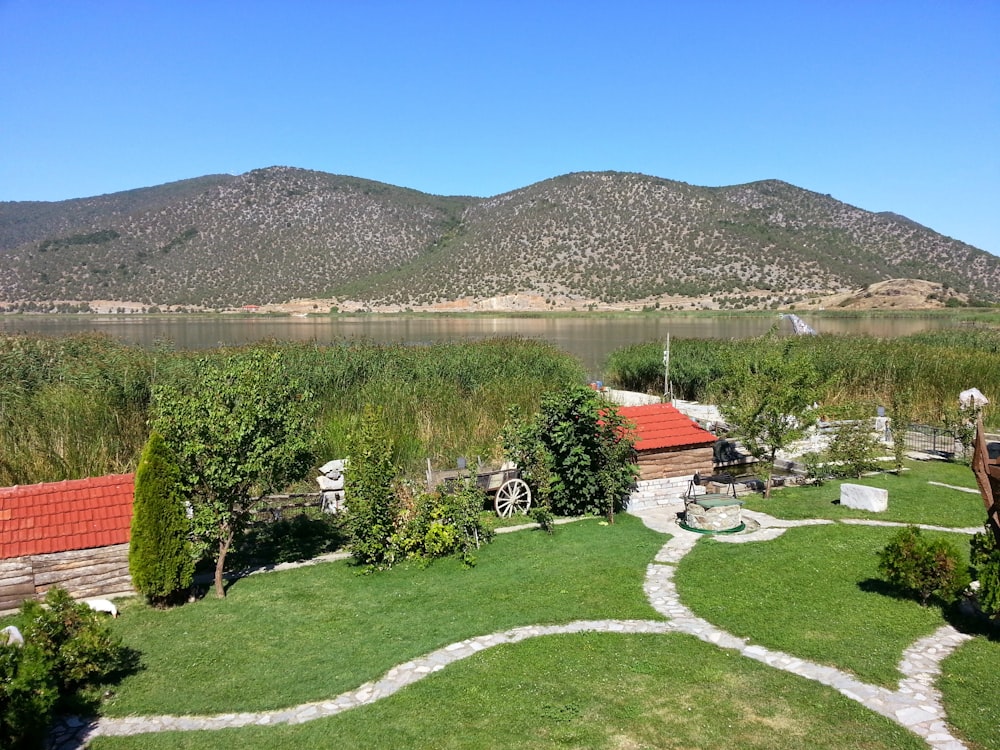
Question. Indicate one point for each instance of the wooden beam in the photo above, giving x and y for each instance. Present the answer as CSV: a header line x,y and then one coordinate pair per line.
x,y
988,478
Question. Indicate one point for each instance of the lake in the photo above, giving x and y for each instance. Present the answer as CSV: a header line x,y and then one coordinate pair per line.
x,y
590,339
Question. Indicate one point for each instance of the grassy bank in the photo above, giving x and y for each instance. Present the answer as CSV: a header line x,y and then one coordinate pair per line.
x,y
79,406
856,372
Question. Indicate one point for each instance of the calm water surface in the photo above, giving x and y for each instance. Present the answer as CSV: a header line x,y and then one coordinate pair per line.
x,y
589,339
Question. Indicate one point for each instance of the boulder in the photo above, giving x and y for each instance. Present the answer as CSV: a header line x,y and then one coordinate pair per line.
x,y
864,498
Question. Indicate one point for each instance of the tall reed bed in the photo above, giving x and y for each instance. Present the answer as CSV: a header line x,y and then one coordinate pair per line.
x,y
79,406
856,371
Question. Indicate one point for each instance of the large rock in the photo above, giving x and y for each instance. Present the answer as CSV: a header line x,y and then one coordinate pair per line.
x,y
864,498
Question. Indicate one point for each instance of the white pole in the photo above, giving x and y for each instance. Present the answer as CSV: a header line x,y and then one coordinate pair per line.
x,y
666,370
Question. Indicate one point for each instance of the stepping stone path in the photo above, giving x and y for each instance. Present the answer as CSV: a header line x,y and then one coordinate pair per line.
x,y
915,704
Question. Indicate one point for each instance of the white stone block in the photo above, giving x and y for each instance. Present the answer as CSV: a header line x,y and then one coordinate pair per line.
x,y
864,498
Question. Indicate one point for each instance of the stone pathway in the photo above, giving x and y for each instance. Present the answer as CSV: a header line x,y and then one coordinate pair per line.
x,y
915,704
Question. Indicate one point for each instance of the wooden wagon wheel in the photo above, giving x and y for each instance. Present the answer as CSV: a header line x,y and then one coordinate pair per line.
x,y
514,496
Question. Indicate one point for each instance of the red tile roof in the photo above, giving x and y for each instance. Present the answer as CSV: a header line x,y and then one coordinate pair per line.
x,y
61,516
663,426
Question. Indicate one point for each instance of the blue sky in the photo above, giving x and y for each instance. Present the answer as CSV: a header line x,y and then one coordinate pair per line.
x,y
887,105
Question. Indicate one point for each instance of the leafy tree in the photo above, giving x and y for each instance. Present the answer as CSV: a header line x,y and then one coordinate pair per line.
x,y
580,449
373,512
241,429
854,449
766,392
159,557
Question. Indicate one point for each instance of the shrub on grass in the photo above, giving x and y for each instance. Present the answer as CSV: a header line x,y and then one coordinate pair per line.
x,y
445,523
66,647
984,555
923,567
160,558
577,452
373,510
854,450
28,695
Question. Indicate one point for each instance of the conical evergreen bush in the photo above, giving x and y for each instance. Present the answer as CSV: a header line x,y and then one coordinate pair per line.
x,y
159,556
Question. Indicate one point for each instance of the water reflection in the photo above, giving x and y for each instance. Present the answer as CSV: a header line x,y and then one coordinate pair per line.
x,y
590,339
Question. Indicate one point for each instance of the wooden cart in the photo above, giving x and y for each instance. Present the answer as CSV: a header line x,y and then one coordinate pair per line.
x,y
504,485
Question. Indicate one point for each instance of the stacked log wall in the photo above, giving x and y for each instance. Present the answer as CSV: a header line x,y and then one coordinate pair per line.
x,y
87,573
681,462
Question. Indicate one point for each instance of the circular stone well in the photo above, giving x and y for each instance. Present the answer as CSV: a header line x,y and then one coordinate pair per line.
x,y
713,515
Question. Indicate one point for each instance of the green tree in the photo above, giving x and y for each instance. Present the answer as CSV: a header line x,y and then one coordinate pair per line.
x,y
373,508
854,449
581,451
241,428
159,556
766,393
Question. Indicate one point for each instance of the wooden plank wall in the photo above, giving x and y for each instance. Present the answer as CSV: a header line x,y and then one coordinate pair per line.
x,y
84,573
674,463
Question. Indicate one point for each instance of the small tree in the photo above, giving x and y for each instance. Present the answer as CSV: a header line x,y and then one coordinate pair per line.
x,y
925,568
160,556
854,449
580,448
901,410
241,429
369,497
767,392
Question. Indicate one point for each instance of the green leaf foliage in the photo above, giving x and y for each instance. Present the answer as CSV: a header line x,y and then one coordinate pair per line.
x,y
854,449
28,695
765,393
373,511
160,556
922,567
984,555
577,451
241,427
67,646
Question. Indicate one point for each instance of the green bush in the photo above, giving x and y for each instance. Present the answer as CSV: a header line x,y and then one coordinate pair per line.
x,y
853,450
923,567
576,452
160,557
28,695
372,507
67,646
447,522
984,555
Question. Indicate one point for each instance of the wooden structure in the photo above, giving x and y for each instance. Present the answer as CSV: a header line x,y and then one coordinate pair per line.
x,y
72,534
987,471
510,493
668,443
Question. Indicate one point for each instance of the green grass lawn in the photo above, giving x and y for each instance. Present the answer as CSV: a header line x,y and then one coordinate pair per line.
x,y
813,593
911,498
590,691
969,689
308,634
285,638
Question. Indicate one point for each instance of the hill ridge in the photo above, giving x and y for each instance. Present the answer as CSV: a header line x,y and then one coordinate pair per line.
x,y
602,238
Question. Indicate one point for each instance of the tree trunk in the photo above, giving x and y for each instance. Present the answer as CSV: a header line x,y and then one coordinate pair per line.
x,y
770,474
220,563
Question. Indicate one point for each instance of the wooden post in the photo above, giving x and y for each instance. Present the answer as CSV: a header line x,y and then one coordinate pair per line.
x,y
988,478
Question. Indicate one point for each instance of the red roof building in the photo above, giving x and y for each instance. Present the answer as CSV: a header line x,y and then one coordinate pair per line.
x,y
668,443
63,516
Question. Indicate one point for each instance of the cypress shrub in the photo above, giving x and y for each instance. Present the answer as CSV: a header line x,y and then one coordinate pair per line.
x,y
159,556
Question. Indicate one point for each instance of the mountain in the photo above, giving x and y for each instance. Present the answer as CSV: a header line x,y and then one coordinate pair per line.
x,y
600,239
